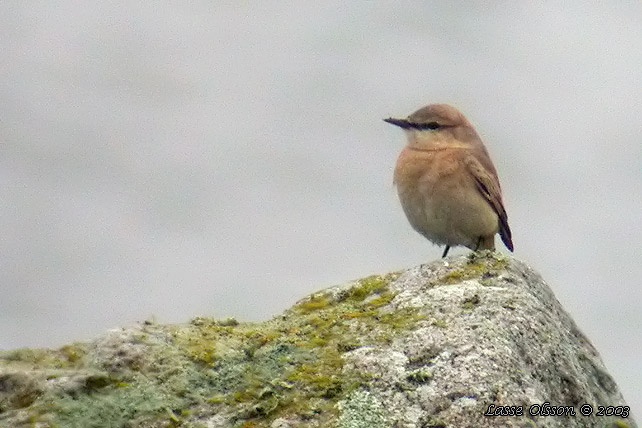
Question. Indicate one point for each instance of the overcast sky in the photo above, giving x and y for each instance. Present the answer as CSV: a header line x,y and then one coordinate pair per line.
x,y
170,160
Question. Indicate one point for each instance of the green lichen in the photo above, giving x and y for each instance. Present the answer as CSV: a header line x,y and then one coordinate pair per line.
x,y
362,410
482,265
27,355
434,423
291,365
471,302
313,303
73,353
439,323
114,406
382,299
318,336
366,287
68,356
620,424
419,377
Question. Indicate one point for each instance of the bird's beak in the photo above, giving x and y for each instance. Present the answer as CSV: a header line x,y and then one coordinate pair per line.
x,y
402,123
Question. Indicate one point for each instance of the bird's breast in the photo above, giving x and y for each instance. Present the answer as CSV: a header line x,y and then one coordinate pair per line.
x,y
417,177
421,173
439,196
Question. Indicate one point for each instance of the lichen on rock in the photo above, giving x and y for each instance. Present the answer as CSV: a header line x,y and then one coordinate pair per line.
x,y
432,346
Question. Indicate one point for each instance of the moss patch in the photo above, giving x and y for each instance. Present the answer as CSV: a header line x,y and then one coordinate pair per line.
x,y
157,375
483,265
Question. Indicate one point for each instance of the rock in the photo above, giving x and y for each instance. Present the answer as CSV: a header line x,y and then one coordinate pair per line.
x,y
446,344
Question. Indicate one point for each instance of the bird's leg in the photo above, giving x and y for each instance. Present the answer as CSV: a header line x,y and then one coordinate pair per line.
x,y
445,251
479,242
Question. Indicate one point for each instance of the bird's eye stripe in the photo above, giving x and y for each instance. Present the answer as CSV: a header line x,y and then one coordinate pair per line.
x,y
429,125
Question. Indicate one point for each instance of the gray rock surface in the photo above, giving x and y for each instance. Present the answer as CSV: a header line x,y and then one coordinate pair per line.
x,y
438,345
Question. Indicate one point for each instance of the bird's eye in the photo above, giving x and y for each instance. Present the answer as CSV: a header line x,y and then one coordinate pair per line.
x,y
431,125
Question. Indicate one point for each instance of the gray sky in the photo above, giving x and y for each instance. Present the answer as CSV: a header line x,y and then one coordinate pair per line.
x,y
174,160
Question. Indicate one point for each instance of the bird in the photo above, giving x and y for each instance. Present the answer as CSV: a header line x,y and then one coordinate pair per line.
x,y
446,182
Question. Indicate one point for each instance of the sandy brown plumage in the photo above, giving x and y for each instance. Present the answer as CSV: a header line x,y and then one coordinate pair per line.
x,y
447,183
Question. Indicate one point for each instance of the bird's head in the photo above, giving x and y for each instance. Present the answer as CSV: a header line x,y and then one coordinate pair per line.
x,y
437,125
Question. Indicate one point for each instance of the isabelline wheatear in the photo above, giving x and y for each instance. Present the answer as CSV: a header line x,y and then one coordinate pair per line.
x,y
447,183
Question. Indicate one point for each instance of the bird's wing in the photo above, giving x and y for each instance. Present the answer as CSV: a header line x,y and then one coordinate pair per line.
x,y
488,186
